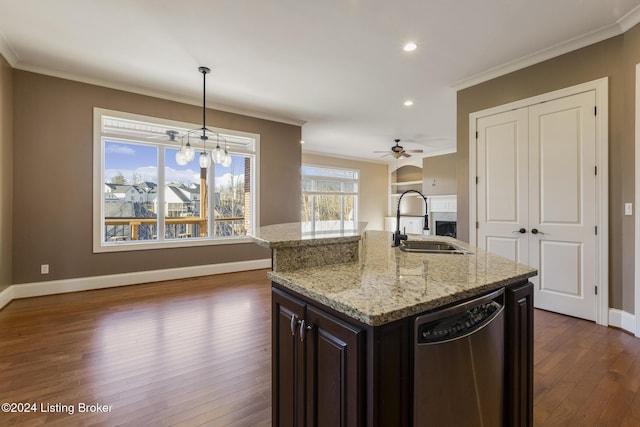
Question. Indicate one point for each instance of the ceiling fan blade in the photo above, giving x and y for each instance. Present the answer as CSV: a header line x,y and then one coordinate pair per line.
x,y
398,151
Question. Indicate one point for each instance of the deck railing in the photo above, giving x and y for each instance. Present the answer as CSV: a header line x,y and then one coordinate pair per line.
x,y
135,224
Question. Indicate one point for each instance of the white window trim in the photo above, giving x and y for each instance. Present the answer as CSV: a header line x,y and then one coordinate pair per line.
x,y
99,246
333,193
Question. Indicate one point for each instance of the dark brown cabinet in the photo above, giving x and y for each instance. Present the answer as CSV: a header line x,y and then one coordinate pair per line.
x,y
519,355
317,366
287,361
331,370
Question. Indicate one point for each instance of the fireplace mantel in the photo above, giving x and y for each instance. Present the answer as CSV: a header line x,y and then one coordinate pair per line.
x,y
446,203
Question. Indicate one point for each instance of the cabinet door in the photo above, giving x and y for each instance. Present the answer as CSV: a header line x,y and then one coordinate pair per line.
x,y
519,356
334,377
287,361
410,224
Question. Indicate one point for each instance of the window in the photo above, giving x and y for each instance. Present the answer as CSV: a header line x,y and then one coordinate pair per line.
x,y
143,198
329,198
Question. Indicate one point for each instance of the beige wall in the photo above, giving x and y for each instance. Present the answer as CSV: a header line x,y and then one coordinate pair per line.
x,y
52,175
410,204
439,175
372,198
626,178
6,154
407,173
614,58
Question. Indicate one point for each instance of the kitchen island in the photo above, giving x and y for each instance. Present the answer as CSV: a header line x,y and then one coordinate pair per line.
x,y
343,330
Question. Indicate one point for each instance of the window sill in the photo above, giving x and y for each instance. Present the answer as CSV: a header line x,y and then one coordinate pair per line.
x,y
129,245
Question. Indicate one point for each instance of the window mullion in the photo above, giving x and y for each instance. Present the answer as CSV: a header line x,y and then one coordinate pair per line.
x,y
342,196
162,211
211,184
313,212
102,183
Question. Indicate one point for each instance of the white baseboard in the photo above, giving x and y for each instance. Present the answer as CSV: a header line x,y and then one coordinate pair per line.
x,y
6,296
26,290
622,319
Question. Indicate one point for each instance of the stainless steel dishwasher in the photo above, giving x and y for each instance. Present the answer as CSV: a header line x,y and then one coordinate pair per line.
x,y
459,364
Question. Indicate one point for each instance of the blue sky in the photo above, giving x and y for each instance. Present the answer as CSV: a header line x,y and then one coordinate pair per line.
x,y
130,159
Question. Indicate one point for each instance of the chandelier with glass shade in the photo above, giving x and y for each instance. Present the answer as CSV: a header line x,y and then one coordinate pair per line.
x,y
187,153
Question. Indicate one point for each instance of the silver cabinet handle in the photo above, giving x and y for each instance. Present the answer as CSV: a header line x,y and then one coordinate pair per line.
x,y
294,323
304,329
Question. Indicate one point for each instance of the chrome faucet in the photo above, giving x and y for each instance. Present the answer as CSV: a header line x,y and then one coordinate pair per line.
x,y
397,237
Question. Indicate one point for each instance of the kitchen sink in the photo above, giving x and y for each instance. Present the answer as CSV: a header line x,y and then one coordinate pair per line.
x,y
433,247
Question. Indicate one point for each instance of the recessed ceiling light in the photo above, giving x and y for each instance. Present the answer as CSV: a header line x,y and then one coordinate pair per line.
x,y
410,47
408,103
301,141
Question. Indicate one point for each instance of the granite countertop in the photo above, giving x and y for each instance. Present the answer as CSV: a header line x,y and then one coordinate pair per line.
x,y
387,284
294,234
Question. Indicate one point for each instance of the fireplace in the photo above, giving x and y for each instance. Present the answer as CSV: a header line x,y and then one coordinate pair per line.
x,y
443,216
446,228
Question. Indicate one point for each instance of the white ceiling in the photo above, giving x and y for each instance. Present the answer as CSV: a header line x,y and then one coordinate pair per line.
x,y
336,66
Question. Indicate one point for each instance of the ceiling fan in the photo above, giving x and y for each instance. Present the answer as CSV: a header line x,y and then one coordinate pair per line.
x,y
398,151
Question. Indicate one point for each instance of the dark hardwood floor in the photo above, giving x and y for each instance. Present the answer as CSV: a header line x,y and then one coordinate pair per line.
x,y
584,374
187,352
198,352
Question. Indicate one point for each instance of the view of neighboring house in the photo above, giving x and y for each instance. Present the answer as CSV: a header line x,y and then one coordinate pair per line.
x,y
126,202
181,200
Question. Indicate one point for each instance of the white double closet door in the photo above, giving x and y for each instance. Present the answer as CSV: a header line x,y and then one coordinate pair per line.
x,y
536,197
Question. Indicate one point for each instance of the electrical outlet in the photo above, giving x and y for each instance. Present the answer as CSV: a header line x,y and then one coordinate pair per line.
x,y
44,269
628,208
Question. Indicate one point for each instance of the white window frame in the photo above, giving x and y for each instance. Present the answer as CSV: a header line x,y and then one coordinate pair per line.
x,y
313,192
99,245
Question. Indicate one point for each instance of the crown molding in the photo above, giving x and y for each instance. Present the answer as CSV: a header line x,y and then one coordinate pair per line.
x,y
7,51
622,25
539,56
155,94
630,19
442,152
343,157
391,160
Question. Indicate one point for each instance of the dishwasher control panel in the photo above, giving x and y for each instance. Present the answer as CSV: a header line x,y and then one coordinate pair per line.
x,y
457,325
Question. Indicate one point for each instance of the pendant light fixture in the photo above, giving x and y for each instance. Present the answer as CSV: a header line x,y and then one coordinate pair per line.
x,y
226,162
187,152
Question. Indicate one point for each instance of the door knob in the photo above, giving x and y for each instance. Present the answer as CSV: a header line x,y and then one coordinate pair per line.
x,y
521,231
536,231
